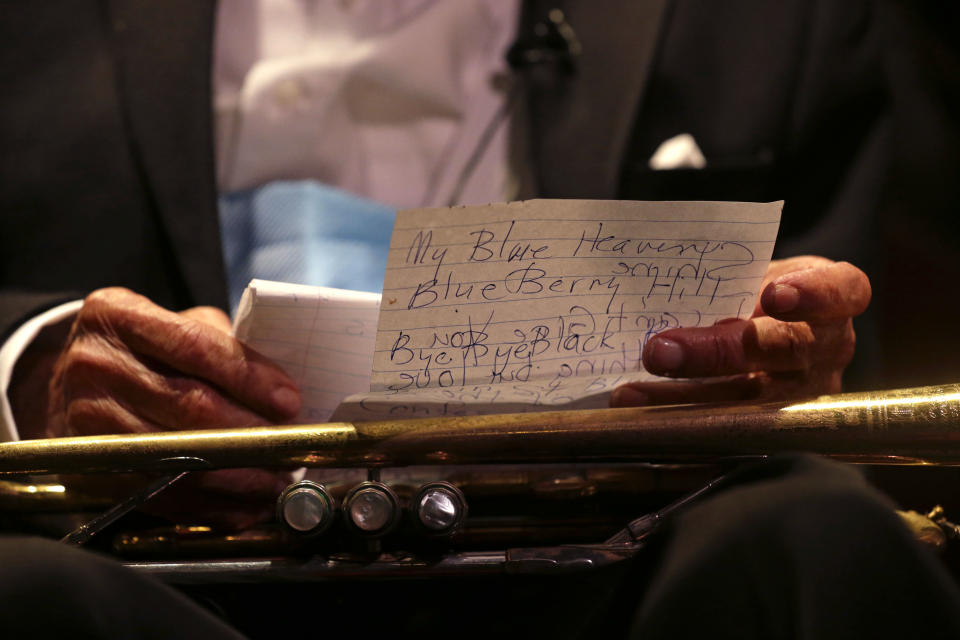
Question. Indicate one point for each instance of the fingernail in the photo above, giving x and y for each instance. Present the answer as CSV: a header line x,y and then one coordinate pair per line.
x,y
666,356
285,400
785,298
628,397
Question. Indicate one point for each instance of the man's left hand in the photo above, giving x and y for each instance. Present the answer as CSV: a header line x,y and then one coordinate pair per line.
x,y
796,344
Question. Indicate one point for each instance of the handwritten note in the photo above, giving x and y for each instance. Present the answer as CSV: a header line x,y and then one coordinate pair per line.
x,y
323,338
547,304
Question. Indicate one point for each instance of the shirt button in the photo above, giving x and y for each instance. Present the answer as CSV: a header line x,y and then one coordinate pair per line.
x,y
290,93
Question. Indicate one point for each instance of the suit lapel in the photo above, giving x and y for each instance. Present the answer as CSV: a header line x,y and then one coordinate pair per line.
x,y
580,128
163,52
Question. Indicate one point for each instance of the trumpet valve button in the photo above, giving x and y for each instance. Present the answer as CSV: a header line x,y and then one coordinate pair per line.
x,y
438,510
371,510
306,507
439,507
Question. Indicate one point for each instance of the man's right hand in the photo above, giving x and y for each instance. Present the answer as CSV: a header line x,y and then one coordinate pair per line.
x,y
130,366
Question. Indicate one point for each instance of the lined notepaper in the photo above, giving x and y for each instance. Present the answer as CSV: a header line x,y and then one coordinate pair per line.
x,y
547,304
323,338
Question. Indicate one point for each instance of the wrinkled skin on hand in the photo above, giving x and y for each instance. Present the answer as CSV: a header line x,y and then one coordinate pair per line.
x,y
796,344
130,366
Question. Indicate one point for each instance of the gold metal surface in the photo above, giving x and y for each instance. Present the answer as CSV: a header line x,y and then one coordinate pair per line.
x,y
302,445
15,495
910,426
35,497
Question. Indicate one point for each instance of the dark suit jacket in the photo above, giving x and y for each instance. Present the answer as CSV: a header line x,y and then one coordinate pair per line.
x,y
842,108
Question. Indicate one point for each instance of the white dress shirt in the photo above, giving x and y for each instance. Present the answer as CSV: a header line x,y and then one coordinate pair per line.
x,y
385,100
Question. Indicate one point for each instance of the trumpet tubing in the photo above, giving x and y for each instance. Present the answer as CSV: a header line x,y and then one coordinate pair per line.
x,y
909,426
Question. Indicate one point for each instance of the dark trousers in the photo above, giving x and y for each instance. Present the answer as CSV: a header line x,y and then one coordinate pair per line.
x,y
797,547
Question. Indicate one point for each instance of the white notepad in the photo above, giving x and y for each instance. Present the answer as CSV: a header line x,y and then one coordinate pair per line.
x,y
323,338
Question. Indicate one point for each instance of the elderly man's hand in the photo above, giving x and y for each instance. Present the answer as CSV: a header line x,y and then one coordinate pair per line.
x,y
796,344
129,366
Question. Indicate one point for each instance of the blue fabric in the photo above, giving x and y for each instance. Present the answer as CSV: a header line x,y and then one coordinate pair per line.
x,y
304,232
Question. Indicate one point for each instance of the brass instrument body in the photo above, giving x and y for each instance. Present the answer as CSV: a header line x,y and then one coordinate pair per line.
x,y
913,426
545,489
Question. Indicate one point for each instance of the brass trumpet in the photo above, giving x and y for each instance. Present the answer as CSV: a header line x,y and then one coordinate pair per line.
x,y
594,457
910,426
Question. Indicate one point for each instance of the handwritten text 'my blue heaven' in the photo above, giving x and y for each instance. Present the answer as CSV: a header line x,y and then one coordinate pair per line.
x,y
656,267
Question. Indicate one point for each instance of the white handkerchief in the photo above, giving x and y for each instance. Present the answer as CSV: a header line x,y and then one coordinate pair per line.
x,y
679,152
